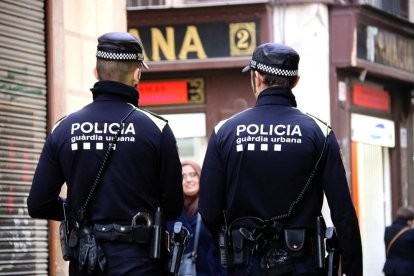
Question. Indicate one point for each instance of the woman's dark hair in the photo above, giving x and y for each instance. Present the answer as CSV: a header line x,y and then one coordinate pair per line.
x,y
406,213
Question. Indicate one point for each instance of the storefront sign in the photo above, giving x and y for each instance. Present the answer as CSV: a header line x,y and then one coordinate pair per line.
x,y
371,97
372,130
198,41
385,47
171,92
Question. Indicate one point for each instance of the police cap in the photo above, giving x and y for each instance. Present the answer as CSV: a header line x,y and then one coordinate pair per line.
x,y
120,46
274,59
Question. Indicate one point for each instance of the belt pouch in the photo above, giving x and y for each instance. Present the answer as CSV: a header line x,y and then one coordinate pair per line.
x,y
295,242
104,232
123,233
113,232
240,248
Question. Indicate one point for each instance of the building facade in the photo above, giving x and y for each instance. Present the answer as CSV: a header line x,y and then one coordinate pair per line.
x,y
47,55
357,72
372,84
203,49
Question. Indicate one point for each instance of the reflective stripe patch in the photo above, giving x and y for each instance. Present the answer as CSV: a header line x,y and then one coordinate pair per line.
x,y
221,123
325,128
158,120
58,122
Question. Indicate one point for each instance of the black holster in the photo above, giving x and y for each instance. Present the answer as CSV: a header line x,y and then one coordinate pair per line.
x,y
67,251
333,257
65,230
240,249
234,248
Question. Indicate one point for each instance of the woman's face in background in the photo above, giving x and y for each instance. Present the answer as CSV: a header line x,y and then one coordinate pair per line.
x,y
191,181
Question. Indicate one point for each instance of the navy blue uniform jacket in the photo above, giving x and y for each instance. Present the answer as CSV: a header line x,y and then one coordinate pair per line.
x,y
144,171
258,161
400,258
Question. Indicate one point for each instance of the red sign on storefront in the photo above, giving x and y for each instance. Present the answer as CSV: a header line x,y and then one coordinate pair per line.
x,y
163,92
371,97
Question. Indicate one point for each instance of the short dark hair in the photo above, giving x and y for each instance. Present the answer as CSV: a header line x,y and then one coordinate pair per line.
x,y
115,70
406,213
272,80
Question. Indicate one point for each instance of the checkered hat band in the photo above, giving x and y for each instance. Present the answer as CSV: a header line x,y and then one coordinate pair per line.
x,y
273,70
119,56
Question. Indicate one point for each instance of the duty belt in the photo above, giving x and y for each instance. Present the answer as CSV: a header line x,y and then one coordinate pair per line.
x,y
297,242
122,233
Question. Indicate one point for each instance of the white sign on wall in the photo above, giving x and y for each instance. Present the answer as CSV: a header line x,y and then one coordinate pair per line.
x,y
187,124
372,130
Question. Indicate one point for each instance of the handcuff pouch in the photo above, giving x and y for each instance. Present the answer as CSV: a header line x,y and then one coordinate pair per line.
x,y
295,241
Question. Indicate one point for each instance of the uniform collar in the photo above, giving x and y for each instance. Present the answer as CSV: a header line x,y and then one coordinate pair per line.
x,y
401,221
106,90
276,95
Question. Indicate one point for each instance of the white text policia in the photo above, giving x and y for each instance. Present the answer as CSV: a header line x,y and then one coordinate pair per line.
x,y
281,130
96,128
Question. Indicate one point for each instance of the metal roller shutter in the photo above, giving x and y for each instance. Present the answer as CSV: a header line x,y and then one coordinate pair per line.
x,y
23,110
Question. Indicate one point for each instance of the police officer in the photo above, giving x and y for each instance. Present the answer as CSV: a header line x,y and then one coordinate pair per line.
x,y
142,173
264,177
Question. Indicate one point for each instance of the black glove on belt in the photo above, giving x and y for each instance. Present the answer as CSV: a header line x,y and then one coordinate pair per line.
x,y
91,253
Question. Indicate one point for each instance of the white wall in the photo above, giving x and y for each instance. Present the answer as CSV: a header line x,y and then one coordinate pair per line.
x,y
305,27
76,26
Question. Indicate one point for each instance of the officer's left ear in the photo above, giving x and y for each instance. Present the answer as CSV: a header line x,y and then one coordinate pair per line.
x,y
258,78
136,76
